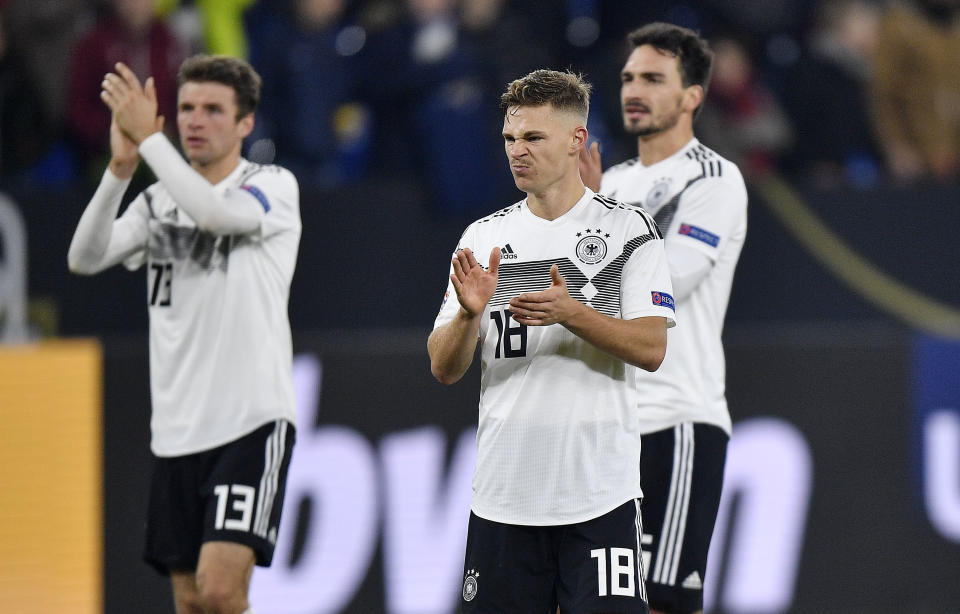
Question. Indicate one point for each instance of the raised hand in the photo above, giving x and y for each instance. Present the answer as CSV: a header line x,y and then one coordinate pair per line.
x,y
474,285
551,306
591,171
134,107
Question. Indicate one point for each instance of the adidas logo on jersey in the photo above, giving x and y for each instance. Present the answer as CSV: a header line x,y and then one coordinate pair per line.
x,y
693,581
507,253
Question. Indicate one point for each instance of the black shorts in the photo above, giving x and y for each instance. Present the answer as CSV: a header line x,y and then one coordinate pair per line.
x,y
233,493
681,472
584,568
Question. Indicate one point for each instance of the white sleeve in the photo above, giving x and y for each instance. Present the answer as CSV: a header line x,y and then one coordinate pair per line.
x,y
277,194
450,305
709,213
646,287
102,240
240,212
688,267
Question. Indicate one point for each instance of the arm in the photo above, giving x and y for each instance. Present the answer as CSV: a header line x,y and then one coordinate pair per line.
x,y
451,346
135,110
642,342
239,212
710,214
101,240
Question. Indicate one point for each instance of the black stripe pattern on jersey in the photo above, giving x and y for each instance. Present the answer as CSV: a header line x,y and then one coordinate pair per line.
x,y
604,288
148,198
501,213
700,153
516,278
610,203
169,242
253,168
664,216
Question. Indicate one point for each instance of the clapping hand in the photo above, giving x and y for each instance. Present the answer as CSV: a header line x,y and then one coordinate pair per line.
x,y
134,107
474,285
551,306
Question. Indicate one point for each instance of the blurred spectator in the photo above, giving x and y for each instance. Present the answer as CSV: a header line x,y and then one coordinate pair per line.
x,y
768,17
44,33
512,41
432,110
309,114
130,33
223,26
826,95
916,89
24,127
741,119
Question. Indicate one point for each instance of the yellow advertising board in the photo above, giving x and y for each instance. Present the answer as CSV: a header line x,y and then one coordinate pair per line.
x,y
51,545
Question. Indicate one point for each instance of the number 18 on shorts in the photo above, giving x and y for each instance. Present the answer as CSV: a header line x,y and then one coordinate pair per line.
x,y
582,568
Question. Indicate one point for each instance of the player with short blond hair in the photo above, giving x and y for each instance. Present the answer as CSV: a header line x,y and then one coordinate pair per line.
x,y
574,298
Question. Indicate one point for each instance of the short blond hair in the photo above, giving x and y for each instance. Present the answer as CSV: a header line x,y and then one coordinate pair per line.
x,y
566,91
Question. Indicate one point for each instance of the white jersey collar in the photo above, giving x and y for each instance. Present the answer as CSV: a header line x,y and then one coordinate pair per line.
x,y
588,195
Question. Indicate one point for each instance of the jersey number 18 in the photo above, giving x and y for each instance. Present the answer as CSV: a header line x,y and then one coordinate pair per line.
x,y
513,339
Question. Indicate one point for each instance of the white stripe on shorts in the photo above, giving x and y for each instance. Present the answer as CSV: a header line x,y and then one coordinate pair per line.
x,y
639,554
272,460
678,502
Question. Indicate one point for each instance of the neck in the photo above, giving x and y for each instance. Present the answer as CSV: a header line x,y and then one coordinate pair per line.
x,y
556,199
662,145
215,172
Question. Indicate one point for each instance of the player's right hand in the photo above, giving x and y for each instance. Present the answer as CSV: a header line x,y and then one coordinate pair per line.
x,y
124,157
474,285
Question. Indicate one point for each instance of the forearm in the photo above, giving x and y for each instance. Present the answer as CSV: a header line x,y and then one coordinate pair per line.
x,y
451,347
642,342
196,195
91,239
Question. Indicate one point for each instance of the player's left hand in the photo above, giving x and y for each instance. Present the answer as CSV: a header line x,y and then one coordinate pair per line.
x,y
591,168
551,306
134,107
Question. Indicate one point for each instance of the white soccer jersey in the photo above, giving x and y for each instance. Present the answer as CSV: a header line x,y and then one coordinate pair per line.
x,y
220,344
699,200
558,439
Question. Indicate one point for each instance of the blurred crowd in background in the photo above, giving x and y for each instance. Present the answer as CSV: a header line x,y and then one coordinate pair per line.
x,y
830,93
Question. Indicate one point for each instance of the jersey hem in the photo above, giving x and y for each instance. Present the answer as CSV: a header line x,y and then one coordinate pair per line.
x,y
653,427
524,522
218,442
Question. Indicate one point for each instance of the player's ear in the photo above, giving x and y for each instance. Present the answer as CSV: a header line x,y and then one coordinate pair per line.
x,y
245,125
692,97
579,139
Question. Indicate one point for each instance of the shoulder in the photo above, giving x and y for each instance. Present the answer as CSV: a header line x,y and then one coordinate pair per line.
x,y
627,214
269,179
487,227
505,214
626,164
709,171
253,172
710,164
618,169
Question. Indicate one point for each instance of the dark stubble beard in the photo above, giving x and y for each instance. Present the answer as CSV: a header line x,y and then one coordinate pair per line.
x,y
654,128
